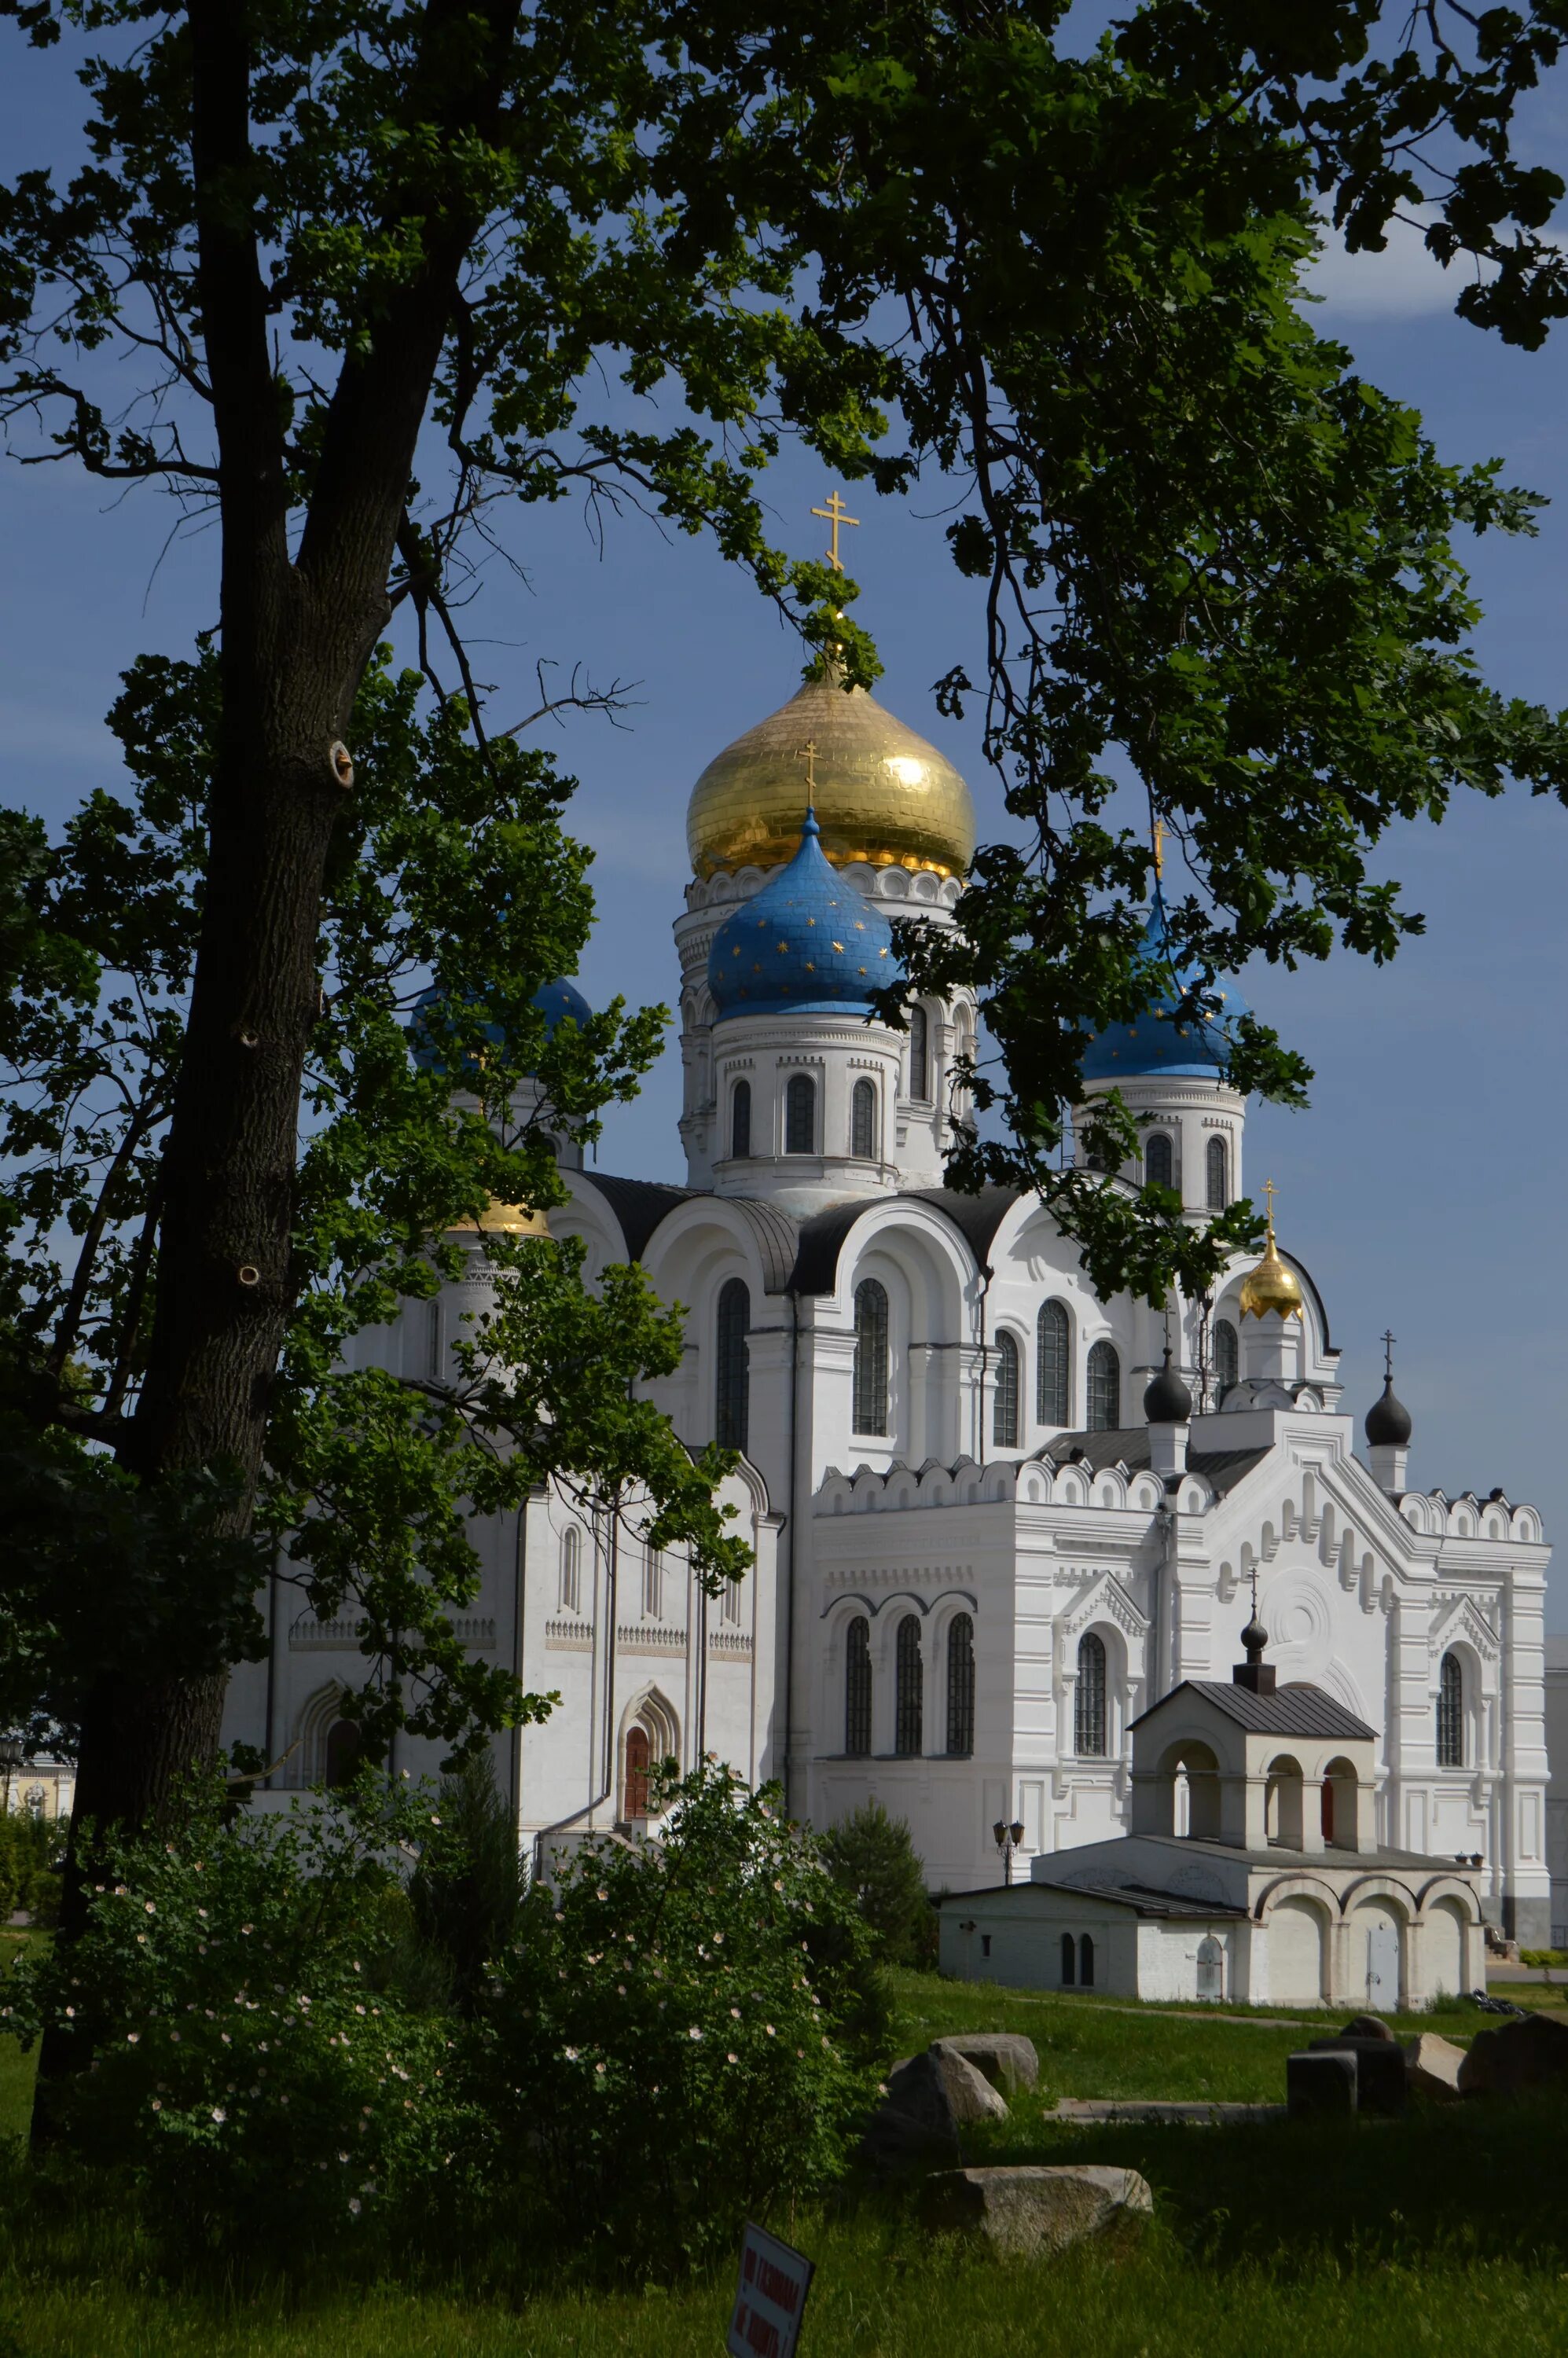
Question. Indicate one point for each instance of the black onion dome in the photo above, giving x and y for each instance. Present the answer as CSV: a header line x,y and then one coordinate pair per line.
x,y
1388,1420
1167,1399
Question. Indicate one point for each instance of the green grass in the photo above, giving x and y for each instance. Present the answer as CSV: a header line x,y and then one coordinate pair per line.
x,y
1444,2233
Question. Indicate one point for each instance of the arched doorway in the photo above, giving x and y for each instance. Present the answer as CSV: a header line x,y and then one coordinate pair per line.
x,y
639,1761
343,1749
1284,1803
1443,1940
1295,1953
1211,1967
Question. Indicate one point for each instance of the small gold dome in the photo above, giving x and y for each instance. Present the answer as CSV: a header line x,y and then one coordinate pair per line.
x,y
506,1219
883,794
1273,1284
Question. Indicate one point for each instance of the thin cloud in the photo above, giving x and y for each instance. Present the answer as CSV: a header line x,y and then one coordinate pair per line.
x,y
1404,282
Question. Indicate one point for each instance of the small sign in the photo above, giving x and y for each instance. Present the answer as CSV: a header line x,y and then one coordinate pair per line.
x,y
770,2297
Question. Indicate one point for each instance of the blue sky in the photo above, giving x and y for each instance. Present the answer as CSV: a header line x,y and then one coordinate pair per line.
x,y
1424,1186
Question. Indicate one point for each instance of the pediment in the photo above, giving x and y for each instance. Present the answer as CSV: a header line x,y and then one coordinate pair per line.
x,y
1462,1622
1105,1599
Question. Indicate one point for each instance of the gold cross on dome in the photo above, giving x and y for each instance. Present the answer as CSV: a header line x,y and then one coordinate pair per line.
x,y
837,514
1269,1191
1159,849
808,755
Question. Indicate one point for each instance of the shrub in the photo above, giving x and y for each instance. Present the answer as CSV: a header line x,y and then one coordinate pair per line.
x,y
871,1857
31,1849
249,2069
466,1893
684,2033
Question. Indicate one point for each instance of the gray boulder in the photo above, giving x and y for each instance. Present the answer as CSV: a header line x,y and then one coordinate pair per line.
x,y
1008,2060
1379,2070
1367,2026
1028,2213
1433,2066
1320,2083
1516,2058
929,2100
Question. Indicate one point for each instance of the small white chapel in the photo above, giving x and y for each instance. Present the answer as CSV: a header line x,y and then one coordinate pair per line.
x,y
997,1522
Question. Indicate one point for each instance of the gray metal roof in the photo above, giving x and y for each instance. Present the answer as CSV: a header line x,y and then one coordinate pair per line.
x,y
1141,1898
1128,1445
1289,1711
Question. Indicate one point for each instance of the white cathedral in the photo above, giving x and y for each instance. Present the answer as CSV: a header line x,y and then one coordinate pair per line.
x,y
995,1519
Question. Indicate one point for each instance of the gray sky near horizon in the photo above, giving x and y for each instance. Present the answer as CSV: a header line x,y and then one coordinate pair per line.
x,y
1419,1188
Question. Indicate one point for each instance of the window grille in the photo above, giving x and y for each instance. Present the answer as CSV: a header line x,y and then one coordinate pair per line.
x,y
1159,1162
1105,1389
871,1379
571,1569
919,1054
1218,1160
1226,1355
800,1115
908,1702
863,1121
1004,1410
1052,1392
1451,1713
960,1687
732,1406
858,1688
1088,1706
740,1120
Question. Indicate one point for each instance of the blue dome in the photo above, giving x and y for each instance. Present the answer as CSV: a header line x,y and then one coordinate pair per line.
x,y
1155,1042
807,944
555,1000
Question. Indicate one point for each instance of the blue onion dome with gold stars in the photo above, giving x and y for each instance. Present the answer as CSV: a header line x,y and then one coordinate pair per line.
x,y
807,944
1161,1039
556,1002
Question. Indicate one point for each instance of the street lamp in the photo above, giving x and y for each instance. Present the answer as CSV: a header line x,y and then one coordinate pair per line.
x,y
10,1760
1009,1838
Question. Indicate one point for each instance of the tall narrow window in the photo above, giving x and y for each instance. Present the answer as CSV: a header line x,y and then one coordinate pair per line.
x,y
863,1121
740,1120
653,1586
1451,1713
732,1406
1004,1412
1055,1344
1218,1165
638,1760
1227,1357
870,1380
1088,1704
1086,1963
908,1700
571,1569
1105,1389
919,1054
732,1605
1069,1961
800,1115
960,1687
858,1688
1159,1162
344,1746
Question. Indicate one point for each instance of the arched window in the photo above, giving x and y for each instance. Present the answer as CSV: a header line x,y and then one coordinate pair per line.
x,y
1451,1713
653,1586
732,1406
1004,1411
1069,1961
1159,1162
908,1735
870,1380
571,1569
1226,1355
1105,1389
919,1054
740,1120
1088,1704
863,1121
1217,1162
858,1688
1052,1392
960,1687
343,1750
1086,1963
800,1115
638,1760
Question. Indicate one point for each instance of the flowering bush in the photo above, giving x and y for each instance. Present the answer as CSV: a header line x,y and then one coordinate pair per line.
x,y
686,2031
249,2065
31,1852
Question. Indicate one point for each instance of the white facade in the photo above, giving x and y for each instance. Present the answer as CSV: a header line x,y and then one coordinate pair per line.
x,y
918,1520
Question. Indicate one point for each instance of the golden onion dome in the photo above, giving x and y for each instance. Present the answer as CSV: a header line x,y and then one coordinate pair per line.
x,y
504,1219
1273,1284
882,793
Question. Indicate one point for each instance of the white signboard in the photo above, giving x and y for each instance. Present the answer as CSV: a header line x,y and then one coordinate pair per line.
x,y
770,2298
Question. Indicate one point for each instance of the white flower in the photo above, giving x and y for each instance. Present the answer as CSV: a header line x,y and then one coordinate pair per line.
x,y
570,2054
158,2104
150,1908
736,2012
354,2204
132,2037
175,2036
600,2069
732,2058
602,1895
769,2028
218,2115
693,2032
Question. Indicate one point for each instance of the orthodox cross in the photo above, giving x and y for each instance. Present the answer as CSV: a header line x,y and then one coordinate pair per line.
x,y
836,512
1254,1580
1388,1341
1159,849
1269,1191
808,755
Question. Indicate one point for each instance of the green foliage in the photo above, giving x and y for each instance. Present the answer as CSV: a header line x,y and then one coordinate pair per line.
x,y
686,2033
1546,1959
466,1894
31,1849
872,1857
253,2078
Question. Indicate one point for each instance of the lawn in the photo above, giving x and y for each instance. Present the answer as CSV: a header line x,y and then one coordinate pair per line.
x,y
1443,2233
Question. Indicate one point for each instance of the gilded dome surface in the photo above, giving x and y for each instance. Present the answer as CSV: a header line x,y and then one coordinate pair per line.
x,y
883,794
